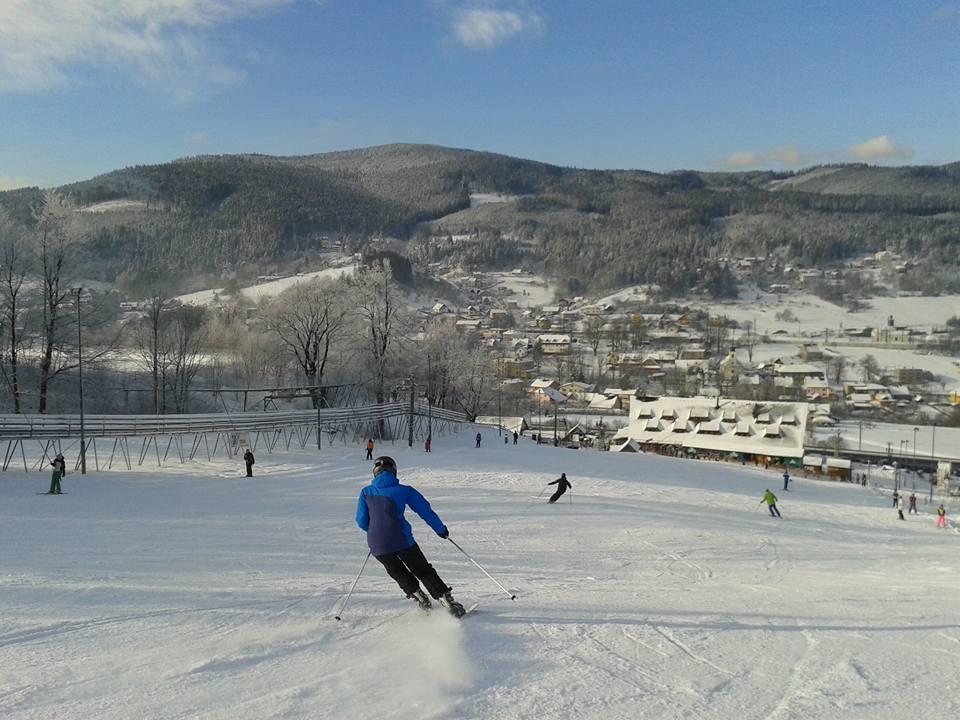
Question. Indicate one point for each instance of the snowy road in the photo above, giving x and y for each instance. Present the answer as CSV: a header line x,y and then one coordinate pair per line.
x,y
662,591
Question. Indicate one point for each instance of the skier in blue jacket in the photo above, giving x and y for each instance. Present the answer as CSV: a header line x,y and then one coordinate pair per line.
x,y
380,514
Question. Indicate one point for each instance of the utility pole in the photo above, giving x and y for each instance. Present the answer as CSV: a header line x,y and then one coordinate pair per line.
x,y
413,392
556,440
83,439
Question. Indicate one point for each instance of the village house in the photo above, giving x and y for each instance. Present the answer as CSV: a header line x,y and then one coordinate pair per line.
x,y
817,389
500,318
909,376
465,325
554,344
810,352
736,429
539,385
576,390
797,372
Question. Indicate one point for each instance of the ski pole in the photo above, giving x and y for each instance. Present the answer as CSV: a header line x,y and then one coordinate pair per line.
x,y
542,491
512,596
352,587
571,496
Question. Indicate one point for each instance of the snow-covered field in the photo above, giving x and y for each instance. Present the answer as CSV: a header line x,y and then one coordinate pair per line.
x,y
945,368
662,591
266,289
526,290
813,314
932,441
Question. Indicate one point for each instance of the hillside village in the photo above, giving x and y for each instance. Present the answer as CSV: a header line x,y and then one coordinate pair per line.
x,y
569,370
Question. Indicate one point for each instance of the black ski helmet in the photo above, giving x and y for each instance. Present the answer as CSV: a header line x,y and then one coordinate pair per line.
x,y
384,462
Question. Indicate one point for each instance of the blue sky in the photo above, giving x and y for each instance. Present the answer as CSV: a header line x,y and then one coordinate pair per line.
x,y
88,86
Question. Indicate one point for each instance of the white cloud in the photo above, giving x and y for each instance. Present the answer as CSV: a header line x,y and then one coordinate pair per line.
x,y
162,43
739,159
788,155
482,29
9,183
791,156
195,139
880,148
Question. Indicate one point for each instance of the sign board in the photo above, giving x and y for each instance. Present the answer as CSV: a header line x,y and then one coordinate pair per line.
x,y
238,439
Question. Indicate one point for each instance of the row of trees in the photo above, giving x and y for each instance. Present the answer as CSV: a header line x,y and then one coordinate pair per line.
x,y
354,329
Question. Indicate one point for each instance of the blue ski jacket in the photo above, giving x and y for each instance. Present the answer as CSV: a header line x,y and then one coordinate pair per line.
x,y
380,514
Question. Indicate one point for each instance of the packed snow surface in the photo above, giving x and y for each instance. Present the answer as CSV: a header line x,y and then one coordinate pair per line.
x,y
663,590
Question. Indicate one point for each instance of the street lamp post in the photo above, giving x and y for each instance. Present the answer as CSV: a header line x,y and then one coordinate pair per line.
x,y
83,438
539,417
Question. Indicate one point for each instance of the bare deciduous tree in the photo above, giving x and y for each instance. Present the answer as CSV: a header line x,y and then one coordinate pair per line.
x,y
749,339
15,262
380,324
308,318
57,236
150,332
187,342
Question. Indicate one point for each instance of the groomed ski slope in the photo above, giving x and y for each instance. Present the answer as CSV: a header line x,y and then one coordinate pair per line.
x,y
662,591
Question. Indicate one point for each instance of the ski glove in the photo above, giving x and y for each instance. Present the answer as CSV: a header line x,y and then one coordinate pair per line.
x,y
445,534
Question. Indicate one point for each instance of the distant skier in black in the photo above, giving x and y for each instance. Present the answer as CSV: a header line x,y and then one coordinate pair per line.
x,y
478,439
786,480
562,484
515,436
896,496
248,461
59,470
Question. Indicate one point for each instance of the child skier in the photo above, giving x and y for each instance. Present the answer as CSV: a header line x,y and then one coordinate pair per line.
x,y
562,484
941,516
59,470
771,500
390,538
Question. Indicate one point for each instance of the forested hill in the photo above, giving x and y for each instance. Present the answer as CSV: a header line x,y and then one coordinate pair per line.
x,y
597,229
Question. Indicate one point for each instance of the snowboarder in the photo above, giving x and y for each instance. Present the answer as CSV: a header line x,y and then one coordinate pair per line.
x,y
478,439
786,480
428,443
248,461
515,436
390,539
59,471
900,507
562,484
896,496
369,448
913,505
771,500
941,516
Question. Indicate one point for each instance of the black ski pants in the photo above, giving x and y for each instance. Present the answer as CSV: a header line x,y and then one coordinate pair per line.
x,y
408,566
774,511
556,496
249,470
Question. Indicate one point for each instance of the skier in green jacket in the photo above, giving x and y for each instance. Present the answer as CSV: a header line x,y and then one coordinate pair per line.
x,y
771,500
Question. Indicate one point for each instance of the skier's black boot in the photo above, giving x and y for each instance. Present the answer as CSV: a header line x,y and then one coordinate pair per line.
x,y
452,606
423,602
